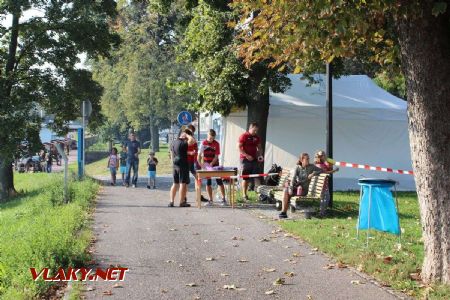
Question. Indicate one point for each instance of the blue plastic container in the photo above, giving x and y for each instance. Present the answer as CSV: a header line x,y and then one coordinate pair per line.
x,y
377,207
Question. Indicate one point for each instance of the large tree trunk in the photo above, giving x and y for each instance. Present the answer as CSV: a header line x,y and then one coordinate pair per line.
x,y
154,131
6,172
6,180
258,107
425,50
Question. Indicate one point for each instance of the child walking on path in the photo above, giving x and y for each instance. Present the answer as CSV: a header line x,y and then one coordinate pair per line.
x,y
152,162
123,163
113,165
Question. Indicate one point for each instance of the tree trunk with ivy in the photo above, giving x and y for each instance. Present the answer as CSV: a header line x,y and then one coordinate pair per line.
x,y
425,51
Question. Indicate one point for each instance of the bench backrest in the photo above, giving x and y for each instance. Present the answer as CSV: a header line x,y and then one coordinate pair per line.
x,y
316,185
286,174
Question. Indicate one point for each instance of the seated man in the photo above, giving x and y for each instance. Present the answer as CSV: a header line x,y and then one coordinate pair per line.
x,y
300,182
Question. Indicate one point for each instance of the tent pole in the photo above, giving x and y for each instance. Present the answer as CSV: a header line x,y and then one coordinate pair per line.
x,y
329,125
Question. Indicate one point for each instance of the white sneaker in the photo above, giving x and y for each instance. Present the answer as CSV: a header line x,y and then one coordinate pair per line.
x,y
223,202
210,203
134,185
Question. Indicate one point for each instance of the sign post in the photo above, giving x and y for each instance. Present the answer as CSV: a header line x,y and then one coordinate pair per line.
x,y
184,118
66,167
85,112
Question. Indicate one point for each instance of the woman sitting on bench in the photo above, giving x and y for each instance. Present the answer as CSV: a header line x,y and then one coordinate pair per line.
x,y
300,182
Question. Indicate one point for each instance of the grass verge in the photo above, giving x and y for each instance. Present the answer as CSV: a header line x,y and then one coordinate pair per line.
x,y
38,230
394,264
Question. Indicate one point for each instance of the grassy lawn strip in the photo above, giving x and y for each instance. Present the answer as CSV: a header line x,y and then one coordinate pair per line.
x,y
164,166
385,259
38,230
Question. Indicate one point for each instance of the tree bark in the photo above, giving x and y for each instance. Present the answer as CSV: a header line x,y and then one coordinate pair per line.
x,y
6,172
425,51
258,107
154,131
6,180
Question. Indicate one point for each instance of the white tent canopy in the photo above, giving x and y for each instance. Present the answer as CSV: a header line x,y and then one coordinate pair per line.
x,y
370,127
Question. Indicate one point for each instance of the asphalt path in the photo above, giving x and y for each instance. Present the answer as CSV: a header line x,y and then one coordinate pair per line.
x,y
208,253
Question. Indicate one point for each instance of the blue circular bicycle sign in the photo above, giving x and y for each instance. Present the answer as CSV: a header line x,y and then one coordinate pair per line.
x,y
184,118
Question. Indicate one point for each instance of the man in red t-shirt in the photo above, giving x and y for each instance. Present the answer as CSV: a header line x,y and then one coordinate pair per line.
x,y
209,155
249,148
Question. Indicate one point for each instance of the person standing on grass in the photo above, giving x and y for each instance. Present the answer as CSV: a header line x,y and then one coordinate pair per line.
x,y
113,165
209,156
152,162
179,154
49,160
133,150
123,163
249,147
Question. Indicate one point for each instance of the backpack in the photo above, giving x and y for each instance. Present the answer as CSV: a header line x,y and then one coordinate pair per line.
x,y
273,180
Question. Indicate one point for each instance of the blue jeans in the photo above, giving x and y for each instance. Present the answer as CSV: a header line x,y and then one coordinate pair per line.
x,y
132,164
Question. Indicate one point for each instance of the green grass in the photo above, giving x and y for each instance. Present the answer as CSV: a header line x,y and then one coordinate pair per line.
x,y
164,165
336,236
38,230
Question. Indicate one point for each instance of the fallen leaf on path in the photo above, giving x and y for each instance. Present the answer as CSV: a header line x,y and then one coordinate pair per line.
x,y
264,240
170,261
287,235
164,291
210,258
279,281
269,270
415,276
357,282
315,249
191,284
229,287
197,298
271,292
309,297
180,265
237,228
205,241
107,293
242,260
90,288
296,254
117,285
287,247
237,238
172,229
329,266
235,245
341,265
196,233
224,274
387,260
289,274
360,268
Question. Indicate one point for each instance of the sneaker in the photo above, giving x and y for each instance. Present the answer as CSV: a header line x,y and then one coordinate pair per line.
x,y
283,215
170,204
203,199
134,185
111,184
210,203
223,202
127,185
184,204
148,186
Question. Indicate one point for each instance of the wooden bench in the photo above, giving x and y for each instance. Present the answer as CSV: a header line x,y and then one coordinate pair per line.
x,y
315,192
268,190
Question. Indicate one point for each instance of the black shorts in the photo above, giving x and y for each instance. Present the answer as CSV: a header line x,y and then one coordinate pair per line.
x,y
181,174
218,180
249,167
193,169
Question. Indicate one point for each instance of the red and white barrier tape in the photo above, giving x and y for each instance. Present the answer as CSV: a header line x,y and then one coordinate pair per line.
x,y
372,168
243,176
